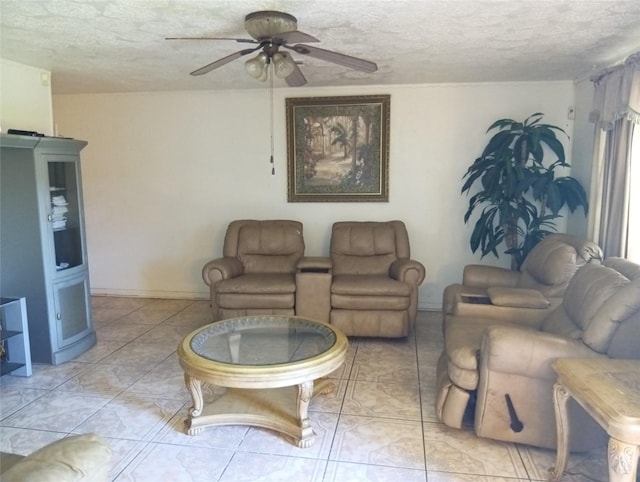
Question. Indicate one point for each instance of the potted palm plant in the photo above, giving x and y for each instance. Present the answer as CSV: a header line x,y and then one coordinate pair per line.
x,y
520,196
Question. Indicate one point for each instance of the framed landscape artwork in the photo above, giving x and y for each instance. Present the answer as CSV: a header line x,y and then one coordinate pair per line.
x,y
338,148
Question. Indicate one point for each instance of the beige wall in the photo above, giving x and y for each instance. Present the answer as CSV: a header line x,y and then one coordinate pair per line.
x,y
164,173
25,98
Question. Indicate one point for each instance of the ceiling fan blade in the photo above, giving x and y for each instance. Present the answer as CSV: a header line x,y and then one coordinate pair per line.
x,y
224,60
335,57
244,40
295,78
295,36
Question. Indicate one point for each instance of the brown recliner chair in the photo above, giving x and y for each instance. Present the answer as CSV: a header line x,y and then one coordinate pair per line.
x,y
507,365
374,283
256,274
501,293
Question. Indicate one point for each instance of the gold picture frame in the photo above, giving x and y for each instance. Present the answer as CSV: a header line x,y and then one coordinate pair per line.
x,y
338,148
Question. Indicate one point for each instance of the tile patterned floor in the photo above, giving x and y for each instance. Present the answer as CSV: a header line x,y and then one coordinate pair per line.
x,y
378,425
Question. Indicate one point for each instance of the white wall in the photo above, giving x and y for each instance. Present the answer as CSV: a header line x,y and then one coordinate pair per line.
x,y
25,98
583,134
164,173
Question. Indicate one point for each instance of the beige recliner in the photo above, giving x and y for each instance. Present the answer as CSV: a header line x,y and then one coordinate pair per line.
x,y
506,365
495,292
256,274
374,283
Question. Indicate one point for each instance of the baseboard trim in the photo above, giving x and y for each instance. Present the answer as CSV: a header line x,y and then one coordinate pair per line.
x,y
188,295
179,295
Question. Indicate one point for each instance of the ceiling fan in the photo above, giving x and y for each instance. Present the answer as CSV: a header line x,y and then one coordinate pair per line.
x,y
272,32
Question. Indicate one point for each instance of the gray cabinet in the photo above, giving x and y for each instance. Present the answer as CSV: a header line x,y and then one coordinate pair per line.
x,y
43,255
14,337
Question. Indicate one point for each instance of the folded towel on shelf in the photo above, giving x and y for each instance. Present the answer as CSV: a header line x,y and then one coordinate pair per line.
x,y
59,201
59,210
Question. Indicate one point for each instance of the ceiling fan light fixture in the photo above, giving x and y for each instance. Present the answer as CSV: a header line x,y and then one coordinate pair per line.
x,y
265,75
257,66
283,66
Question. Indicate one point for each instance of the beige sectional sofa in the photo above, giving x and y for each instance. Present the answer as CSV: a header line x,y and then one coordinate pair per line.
x,y
499,371
546,271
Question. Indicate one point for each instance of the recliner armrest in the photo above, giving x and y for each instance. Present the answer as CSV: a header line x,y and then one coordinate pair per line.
x,y
518,316
407,270
527,352
221,268
481,276
517,297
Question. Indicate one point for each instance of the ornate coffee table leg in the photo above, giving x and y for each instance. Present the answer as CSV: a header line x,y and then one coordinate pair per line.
x,y
560,398
623,461
305,393
195,389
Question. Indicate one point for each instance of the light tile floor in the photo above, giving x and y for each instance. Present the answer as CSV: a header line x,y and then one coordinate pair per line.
x,y
378,425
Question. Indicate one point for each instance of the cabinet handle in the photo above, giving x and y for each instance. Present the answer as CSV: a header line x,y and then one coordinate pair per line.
x,y
58,316
49,217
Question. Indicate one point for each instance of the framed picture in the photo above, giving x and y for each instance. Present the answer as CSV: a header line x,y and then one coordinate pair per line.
x,y
338,148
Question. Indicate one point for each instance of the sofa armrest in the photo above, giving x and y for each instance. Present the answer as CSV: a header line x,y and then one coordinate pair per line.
x,y
407,270
517,298
83,457
481,276
315,264
516,315
221,268
527,352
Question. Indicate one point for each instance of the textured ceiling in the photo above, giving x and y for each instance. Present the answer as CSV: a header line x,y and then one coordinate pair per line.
x,y
118,45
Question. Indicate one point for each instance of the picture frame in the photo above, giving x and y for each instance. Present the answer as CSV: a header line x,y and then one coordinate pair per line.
x,y
338,148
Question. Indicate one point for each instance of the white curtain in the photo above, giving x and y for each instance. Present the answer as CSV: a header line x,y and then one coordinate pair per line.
x,y
616,112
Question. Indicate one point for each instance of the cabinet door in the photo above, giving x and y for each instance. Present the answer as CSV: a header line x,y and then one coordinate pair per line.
x,y
71,301
65,215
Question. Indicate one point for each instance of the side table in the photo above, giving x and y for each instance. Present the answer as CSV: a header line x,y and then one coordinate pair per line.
x,y
609,390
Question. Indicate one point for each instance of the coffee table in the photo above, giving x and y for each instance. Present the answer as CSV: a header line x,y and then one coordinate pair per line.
x,y
267,370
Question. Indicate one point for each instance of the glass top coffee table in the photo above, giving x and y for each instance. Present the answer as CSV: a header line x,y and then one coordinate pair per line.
x,y
270,367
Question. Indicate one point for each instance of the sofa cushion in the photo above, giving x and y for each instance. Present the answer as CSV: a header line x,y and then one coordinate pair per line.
x,y
551,264
363,248
623,304
596,301
270,246
76,458
366,285
258,283
517,297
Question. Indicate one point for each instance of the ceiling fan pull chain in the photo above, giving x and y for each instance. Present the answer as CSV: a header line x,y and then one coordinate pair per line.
x,y
273,166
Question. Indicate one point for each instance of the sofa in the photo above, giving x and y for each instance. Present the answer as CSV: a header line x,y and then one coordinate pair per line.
x,y
75,458
537,285
496,373
367,286
256,273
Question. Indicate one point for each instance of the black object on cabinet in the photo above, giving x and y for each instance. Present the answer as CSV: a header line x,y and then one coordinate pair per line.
x,y
43,255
